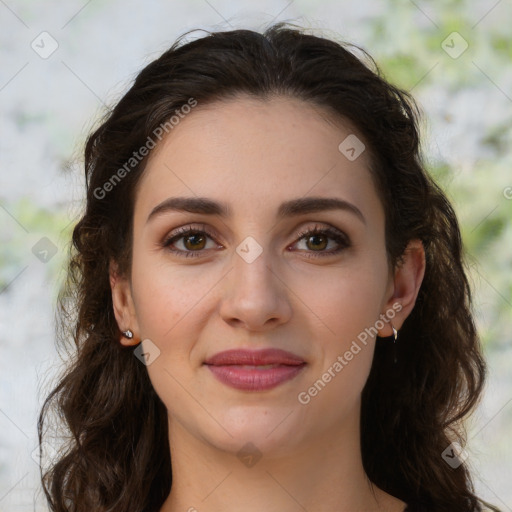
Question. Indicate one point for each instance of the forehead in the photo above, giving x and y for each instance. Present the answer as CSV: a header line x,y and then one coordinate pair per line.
x,y
255,152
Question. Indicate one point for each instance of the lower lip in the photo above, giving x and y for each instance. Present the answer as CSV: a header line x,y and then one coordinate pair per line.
x,y
252,379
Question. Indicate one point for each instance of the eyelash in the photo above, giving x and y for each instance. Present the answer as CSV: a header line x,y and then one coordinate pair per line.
x,y
332,233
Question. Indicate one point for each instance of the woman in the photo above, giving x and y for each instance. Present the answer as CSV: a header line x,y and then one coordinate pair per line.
x,y
273,312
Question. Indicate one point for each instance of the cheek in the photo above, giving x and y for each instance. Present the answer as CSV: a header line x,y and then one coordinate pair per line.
x,y
166,296
169,304
347,311
344,300
347,307
346,303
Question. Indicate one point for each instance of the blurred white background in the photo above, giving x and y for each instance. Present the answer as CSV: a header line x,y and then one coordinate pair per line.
x,y
62,62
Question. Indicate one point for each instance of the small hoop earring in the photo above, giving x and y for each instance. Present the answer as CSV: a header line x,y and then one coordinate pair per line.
x,y
128,334
395,333
395,337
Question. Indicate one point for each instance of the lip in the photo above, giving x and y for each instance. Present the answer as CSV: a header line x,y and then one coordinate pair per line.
x,y
254,357
243,369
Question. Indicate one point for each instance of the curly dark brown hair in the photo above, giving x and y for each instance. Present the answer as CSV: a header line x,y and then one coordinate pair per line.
x,y
117,457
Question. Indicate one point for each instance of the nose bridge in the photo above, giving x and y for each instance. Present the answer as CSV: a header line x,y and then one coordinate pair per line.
x,y
254,293
252,266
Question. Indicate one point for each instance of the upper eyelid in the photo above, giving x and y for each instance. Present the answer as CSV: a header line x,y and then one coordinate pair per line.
x,y
182,231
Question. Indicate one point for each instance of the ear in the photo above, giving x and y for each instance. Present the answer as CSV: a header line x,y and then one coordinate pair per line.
x,y
122,301
404,287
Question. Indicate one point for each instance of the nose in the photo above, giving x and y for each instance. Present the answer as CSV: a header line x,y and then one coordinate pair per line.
x,y
255,296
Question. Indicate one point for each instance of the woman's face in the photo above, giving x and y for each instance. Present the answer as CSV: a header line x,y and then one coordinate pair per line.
x,y
248,278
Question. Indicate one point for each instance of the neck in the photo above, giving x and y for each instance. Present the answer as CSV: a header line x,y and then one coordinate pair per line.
x,y
325,475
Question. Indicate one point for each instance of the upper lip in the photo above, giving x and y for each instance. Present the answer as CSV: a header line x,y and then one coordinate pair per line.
x,y
255,357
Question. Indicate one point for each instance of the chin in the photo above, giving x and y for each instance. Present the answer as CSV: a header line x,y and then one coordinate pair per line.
x,y
270,431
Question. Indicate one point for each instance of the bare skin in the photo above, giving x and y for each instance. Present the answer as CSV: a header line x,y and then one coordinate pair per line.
x,y
254,155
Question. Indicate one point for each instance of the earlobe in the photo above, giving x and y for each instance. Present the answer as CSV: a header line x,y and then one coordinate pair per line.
x,y
406,285
123,305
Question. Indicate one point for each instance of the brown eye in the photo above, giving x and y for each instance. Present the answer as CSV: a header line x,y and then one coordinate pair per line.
x,y
194,242
189,242
317,240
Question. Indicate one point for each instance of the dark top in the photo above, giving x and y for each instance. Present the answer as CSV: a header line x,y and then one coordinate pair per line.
x,y
413,507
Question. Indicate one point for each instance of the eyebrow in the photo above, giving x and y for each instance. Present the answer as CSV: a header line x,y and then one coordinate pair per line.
x,y
290,208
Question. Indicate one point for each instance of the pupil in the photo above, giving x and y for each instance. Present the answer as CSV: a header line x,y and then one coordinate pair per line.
x,y
195,241
313,237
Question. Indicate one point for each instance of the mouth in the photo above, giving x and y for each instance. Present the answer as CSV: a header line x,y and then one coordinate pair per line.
x,y
264,357
255,370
